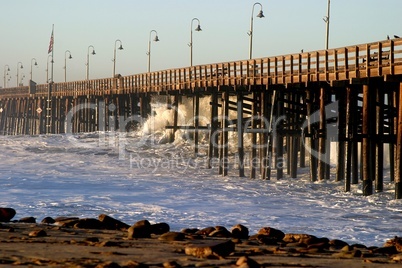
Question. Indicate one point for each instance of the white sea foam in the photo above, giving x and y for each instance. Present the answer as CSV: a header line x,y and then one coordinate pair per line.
x,y
87,174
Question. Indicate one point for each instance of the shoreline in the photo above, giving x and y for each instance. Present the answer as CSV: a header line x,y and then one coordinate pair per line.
x,y
108,242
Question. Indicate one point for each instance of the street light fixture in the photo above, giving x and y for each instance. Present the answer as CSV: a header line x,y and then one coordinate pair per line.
x,y
198,29
250,33
36,64
156,39
114,55
18,72
93,53
47,67
65,63
6,70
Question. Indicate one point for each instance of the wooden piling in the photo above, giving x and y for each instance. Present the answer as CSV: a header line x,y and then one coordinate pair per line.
x,y
398,177
145,108
269,100
289,120
223,146
392,120
27,115
58,111
312,132
35,117
2,116
240,132
133,104
379,156
263,116
302,117
9,116
225,134
322,137
328,138
175,107
13,121
123,112
342,106
366,176
293,136
254,122
355,118
278,134
349,137
17,118
196,113
113,113
213,133
42,116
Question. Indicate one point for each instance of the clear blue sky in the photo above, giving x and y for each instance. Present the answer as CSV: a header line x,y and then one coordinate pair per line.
x,y
288,27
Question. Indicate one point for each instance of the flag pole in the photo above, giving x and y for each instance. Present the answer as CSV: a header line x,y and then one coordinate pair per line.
x,y
52,52
49,91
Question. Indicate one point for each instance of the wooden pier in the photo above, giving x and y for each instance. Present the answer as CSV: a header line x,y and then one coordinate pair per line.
x,y
292,106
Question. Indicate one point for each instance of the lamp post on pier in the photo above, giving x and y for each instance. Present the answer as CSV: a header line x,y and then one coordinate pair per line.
x,y
156,39
198,29
6,70
250,33
36,64
93,53
326,20
114,55
18,72
65,63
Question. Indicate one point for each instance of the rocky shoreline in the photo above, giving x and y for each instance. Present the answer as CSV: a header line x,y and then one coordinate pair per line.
x,y
108,242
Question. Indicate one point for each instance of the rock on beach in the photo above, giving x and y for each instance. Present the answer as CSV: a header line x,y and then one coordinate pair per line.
x,y
6,214
109,242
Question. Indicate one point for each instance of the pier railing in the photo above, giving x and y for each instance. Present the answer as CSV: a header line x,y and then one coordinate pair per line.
x,y
359,61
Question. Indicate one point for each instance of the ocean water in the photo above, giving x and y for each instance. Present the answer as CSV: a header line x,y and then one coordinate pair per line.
x,y
138,175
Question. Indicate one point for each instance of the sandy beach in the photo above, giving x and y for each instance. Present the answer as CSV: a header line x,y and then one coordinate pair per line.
x,y
72,242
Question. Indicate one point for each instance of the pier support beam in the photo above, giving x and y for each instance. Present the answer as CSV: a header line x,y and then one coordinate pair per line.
x,y
293,147
355,114
312,131
278,136
342,106
224,144
240,132
196,103
366,148
349,137
49,109
263,150
145,105
379,156
393,122
268,118
322,138
398,179
175,107
213,133
254,122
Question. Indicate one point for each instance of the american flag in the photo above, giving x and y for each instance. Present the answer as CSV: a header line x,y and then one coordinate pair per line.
x,y
50,44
